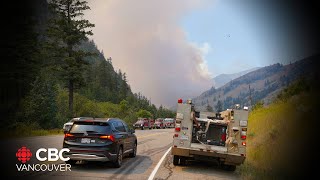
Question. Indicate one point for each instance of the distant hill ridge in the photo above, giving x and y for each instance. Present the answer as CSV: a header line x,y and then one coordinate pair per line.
x,y
265,83
223,79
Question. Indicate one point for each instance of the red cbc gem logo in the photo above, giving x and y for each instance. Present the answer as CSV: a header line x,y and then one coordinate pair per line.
x,y
23,154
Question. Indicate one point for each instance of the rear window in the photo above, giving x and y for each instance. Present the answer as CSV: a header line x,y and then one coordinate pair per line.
x,y
93,127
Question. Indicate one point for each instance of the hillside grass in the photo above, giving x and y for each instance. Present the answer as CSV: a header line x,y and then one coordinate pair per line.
x,y
28,130
279,137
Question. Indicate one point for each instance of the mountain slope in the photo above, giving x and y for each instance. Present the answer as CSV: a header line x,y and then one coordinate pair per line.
x,y
263,84
223,79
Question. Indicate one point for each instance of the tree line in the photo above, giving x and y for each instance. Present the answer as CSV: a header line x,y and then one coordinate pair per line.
x,y
69,76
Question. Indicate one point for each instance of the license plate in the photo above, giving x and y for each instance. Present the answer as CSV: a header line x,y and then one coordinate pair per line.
x,y
85,140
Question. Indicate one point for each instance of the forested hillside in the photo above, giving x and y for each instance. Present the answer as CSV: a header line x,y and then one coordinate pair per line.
x,y
262,85
38,91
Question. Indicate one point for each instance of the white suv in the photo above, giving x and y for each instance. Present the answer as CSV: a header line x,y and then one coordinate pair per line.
x,y
67,125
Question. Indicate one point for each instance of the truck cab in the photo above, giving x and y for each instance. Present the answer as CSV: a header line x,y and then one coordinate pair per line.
x,y
208,136
143,123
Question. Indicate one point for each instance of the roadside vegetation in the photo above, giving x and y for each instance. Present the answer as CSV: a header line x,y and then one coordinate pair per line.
x,y
61,74
280,136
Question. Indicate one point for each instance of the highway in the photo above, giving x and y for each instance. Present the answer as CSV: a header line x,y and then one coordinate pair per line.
x,y
153,161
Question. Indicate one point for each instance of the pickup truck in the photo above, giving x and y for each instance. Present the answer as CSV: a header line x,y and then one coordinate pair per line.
x,y
159,123
143,123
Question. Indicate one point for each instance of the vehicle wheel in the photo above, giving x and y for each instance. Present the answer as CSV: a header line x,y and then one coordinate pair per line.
x,y
175,160
72,162
118,161
182,160
229,167
134,151
142,128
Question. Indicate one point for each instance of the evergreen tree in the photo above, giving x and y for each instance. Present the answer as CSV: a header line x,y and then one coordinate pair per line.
x,y
66,31
219,106
209,108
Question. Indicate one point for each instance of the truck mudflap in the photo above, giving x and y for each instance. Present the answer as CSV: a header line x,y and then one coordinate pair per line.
x,y
226,158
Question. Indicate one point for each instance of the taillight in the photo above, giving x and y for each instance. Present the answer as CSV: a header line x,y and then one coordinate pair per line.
x,y
223,137
110,137
176,135
243,134
68,135
177,128
180,101
244,143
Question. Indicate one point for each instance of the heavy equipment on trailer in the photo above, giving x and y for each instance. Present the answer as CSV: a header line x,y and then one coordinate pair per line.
x,y
208,136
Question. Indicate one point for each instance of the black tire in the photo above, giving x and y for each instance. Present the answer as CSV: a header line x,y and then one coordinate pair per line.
x,y
183,160
176,160
142,127
134,151
229,167
118,162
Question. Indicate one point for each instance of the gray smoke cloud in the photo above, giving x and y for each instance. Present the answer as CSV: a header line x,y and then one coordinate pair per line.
x,y
146,42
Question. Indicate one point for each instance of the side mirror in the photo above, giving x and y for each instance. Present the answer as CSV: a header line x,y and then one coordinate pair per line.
x,y
65,131
132,131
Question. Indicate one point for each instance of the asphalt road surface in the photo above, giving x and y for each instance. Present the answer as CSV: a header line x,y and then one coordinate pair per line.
x,y
153,161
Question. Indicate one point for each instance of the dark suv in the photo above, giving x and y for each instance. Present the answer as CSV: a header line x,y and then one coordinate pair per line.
x,y
100,140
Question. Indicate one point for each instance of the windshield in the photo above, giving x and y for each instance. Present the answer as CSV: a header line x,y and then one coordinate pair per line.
x,y
139,122
92,127
169,120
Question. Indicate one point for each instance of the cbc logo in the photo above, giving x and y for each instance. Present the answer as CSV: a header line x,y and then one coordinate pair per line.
x,y
51,154
23,154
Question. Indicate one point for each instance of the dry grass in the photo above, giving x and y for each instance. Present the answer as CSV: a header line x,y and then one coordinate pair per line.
x,y
275,137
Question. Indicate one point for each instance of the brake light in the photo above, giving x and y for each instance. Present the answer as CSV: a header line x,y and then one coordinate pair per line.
x,y
243,134
110,137
67,135
180,101
177,128
223,137
176,135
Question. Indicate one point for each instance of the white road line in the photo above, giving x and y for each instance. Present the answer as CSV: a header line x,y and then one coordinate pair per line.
x,y
158,165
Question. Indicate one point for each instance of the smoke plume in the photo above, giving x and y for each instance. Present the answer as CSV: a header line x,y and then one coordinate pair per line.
x,y
146,41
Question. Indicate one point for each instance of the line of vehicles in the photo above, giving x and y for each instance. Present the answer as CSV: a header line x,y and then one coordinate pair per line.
x,y
141,123
159,123
202,136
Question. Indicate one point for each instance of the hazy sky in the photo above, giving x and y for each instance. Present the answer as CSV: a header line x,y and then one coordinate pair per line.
x,y
171,49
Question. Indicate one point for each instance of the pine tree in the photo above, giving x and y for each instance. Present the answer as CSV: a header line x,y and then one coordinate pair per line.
x,y
66,31
219,106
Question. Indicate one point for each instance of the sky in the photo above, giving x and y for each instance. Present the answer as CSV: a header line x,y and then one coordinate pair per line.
x,y
172,49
